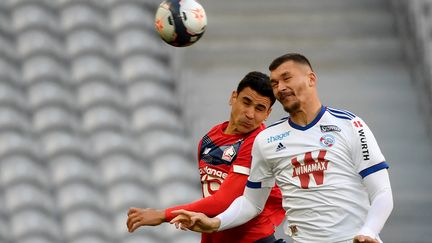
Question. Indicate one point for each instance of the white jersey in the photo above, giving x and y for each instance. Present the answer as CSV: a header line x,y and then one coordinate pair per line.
x,y
319,169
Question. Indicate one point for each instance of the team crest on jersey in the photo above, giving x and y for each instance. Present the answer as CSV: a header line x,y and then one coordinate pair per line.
x,y
327,140
229,153
329,128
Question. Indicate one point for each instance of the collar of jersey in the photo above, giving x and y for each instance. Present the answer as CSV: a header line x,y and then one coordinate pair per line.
x,y
317,118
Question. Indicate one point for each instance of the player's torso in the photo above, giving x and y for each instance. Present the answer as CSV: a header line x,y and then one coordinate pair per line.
x,y
217,155
314,168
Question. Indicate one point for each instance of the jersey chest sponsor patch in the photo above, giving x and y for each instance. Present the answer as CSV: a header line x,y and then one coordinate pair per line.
x,y
307,166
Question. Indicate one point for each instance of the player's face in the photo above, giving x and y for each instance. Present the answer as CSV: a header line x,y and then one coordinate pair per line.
x,y
290,83
248,110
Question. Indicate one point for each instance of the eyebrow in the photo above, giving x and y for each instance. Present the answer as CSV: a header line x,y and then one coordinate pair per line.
x,y
256,104
283,75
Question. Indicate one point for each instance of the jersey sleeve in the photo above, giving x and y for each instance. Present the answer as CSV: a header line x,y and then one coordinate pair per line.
x,y
367,155
261,174
232,187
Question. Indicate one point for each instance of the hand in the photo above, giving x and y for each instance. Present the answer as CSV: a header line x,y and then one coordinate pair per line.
x,y
197,222
144,217
364,239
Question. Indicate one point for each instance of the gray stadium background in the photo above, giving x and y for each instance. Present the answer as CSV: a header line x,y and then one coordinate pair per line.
x,y
97,114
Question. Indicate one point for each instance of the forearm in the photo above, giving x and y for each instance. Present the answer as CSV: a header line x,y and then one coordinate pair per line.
x,y
244,208
231,188
381,203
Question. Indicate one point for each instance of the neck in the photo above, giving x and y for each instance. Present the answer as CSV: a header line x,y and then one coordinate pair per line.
x,y
230,129
306,114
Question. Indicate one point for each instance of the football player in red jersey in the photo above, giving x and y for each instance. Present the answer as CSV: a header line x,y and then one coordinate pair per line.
x,y
224,159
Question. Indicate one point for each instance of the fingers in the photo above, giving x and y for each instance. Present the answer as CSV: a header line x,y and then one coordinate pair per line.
x,y
133,210
133,223
182,211
364,239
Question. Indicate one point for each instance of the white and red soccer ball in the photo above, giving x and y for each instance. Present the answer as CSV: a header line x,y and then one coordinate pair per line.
x,y
180,22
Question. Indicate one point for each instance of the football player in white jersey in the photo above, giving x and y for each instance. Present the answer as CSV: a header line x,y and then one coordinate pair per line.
x,y
326,161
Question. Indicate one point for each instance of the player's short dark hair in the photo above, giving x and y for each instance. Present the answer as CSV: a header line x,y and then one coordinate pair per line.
x,y
259,82
295,57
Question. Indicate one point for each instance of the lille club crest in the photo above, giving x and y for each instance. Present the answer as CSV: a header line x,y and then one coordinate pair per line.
x,y
229,153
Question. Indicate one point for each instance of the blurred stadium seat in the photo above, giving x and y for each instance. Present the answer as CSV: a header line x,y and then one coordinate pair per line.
x,y
140,67
177,193
29,223
130,14
27,15
106,143
173,167
124,195
136,41
55,118
19,168
104,118
88,42
35,42
57,143
25,196
72,168
14,120
88,68
146,118
97,93
121,167
151,92
80,15
12,97
74,196
84,85
157,142
43,68
45,94
13,143
86,222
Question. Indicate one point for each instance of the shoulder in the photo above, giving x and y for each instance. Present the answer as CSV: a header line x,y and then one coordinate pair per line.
x,y
282,120
277,128
341,114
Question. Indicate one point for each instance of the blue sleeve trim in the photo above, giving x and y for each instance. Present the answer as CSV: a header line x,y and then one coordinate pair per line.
x,y
373,169
255,185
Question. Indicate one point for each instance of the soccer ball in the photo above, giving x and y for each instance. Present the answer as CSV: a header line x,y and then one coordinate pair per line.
x,y
180,22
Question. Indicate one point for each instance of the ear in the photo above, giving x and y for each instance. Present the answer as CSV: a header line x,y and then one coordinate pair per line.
x,y
312,79
233,96
268,113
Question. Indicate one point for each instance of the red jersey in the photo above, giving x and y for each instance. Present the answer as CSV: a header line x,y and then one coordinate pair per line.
x,y
224,165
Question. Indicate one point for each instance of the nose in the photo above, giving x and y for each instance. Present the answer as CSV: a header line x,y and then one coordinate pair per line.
x,y
250,113
281,86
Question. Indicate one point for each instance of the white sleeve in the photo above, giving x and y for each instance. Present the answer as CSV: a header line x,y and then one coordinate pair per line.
x,y
367,155
244,208
380,194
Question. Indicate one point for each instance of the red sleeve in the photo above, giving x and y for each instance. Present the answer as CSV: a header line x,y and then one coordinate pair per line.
x,y
232,187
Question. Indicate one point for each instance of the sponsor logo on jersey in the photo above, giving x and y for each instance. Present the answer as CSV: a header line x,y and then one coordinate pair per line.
x,y
327,140
357,124
329,128
364,145
206,150
213,172
310,166
280,147
229,153
278,137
